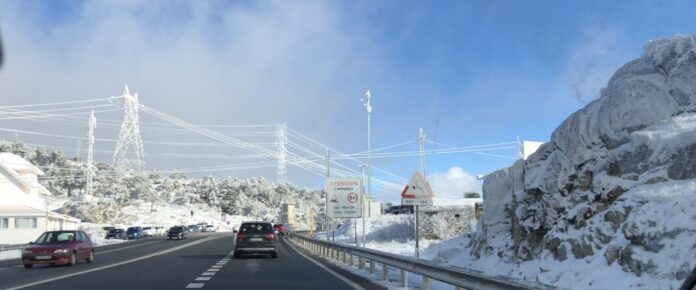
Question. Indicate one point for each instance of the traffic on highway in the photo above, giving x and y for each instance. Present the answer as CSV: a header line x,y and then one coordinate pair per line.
x,y
210,260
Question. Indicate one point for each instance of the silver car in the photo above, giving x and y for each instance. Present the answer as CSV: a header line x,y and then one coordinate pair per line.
x,y
256,238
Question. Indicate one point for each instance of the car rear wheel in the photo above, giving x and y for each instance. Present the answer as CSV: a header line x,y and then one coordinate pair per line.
x,y
28,266
274,255
90,258
73,260
237,255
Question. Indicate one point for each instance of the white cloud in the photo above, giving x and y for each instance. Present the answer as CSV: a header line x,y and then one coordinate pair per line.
x,y
206,62
454,182
598,54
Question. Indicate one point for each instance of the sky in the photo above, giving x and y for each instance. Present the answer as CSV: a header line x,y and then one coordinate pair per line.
x,y
468,72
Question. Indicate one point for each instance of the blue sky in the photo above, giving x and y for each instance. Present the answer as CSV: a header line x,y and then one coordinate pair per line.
x,y
467,72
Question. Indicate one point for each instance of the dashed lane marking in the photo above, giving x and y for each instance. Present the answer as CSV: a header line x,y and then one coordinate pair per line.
x,y
117,264
195,285
203,278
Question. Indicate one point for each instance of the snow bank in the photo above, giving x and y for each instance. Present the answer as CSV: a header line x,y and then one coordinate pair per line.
x,y
392,233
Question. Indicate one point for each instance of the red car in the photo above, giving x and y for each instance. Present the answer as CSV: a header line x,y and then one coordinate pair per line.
x,y
59,247
281,229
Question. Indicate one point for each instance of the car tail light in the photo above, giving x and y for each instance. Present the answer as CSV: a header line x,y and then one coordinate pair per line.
x,y
269,236
241,236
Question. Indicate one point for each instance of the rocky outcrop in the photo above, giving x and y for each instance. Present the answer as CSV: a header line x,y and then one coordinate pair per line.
x,y
598,187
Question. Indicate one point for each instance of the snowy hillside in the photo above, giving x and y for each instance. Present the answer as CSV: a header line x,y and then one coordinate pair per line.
x,y
609,201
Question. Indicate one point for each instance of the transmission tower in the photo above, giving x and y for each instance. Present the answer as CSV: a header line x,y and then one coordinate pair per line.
x,y
129,150
281,140
90,155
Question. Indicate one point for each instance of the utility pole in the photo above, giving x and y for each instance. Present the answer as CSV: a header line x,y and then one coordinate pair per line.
x,y
281,140
421,140
367,102
327,222
90,156
129,137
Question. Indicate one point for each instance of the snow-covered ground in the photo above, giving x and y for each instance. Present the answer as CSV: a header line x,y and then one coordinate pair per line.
x,y
171,214
388,233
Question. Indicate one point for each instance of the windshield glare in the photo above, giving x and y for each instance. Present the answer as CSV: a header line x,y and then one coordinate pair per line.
x,y
56,237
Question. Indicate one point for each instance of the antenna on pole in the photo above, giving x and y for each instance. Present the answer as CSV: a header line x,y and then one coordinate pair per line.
x,y
90,157
281,141
129,137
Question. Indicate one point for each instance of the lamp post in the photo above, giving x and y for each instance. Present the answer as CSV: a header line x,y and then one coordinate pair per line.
x,y
367,102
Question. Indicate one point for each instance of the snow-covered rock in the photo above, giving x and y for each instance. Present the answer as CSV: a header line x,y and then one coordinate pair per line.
x,y
616,185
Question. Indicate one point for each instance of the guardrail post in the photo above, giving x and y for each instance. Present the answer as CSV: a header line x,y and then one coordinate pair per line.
x,y
426,283
372,266
458,288
385,272
361,263
404,279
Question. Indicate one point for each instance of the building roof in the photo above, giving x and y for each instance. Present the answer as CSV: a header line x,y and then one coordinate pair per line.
x,y
17,163
28,211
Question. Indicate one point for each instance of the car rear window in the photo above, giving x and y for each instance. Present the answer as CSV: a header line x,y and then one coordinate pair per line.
x,y
256,227
116,231
176,229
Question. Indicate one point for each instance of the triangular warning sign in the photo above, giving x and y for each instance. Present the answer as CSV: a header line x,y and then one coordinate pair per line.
x,y
417,187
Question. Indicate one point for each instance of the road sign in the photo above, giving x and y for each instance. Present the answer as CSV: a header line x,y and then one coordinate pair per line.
x,y
417,191
416,201
344,197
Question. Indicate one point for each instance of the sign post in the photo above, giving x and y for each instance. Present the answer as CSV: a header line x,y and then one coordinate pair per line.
x,y
344,197
416,193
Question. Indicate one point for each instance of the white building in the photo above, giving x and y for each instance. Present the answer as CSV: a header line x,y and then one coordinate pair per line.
x,y
24,212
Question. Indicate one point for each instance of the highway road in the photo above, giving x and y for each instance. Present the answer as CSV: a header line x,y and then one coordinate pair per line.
x,y
204,261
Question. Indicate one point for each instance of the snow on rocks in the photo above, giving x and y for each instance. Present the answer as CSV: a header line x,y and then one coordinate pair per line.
x,y
612,192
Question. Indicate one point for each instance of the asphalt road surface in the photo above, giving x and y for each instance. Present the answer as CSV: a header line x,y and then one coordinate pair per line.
x,y
203,261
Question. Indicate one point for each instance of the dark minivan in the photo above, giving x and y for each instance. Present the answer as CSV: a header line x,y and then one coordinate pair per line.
x,y
134,233
176,232
255,238
116,234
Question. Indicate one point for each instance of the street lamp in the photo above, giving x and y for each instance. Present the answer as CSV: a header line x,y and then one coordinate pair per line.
x,y
367,102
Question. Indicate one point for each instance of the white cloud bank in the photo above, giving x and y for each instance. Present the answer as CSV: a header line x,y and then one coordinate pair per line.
x,y
454,182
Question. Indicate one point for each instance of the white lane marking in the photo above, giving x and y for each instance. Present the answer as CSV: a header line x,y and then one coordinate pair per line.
x,y
213,270
203,278
332,272
216,266
195,285
119,249
208,274
117,264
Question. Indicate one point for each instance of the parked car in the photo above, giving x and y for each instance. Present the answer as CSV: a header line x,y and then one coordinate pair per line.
x,y
134,233
116,234
281,229
256,238
149,232
194,228
178,232
400,209
210,228
59,247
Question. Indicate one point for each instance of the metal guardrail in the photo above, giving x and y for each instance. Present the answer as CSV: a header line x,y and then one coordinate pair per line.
x,y
460,278
12,247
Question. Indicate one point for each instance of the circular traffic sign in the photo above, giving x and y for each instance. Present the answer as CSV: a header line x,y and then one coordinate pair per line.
x,y
352,197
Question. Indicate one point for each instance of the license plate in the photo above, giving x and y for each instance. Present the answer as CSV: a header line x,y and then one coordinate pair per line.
x,y
256,239
43,257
